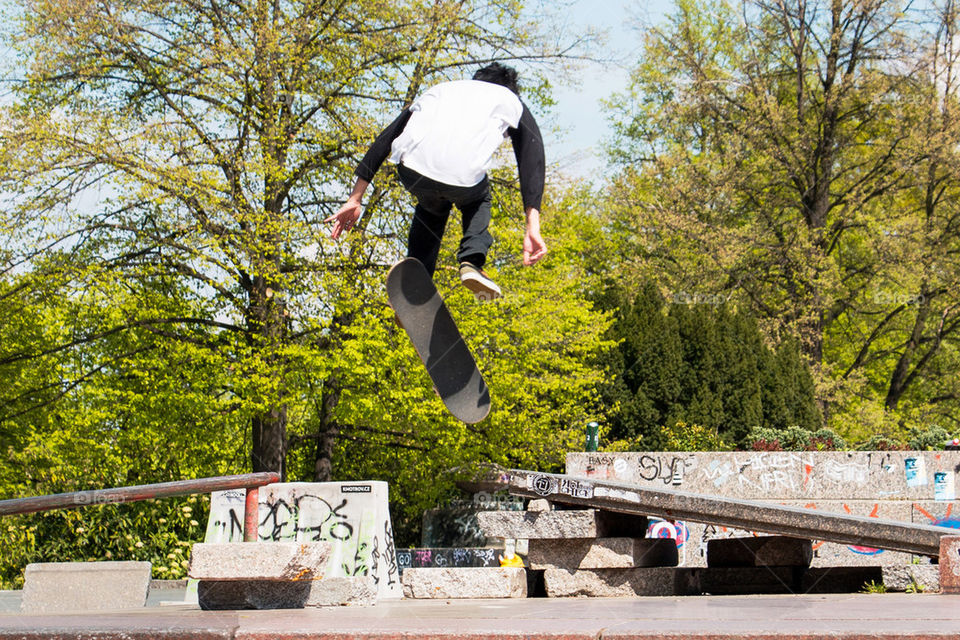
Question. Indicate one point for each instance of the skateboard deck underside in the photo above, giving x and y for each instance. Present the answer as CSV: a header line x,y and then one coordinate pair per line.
x,y
437,341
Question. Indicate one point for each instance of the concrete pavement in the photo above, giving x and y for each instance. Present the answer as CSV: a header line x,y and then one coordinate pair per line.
x,y
837,617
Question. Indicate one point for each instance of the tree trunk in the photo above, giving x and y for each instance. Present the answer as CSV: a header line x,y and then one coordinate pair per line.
x,y
900,376
270,441
329,432
267,324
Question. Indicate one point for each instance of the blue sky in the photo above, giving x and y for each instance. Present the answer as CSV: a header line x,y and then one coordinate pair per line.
x,y
580,123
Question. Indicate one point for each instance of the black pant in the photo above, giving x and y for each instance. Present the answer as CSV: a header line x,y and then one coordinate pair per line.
x,y
434,203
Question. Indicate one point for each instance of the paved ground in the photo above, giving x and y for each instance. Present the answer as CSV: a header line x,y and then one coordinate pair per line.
x,y
837,617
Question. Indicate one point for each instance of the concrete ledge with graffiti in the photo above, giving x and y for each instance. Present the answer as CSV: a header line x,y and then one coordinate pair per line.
x,y
354,517
911,486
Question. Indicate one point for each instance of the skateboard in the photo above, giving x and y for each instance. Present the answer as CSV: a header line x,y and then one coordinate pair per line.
x,y
423,315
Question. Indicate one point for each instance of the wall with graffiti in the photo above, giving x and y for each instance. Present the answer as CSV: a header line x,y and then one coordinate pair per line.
x,y
353,516
911,486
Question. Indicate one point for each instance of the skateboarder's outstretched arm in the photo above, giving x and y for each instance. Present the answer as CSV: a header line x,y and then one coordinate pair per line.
x,y
349,213
531,165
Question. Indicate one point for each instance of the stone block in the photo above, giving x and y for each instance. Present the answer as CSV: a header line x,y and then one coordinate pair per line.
x,y
614,583
759,551
602,553
469,582
53,587
539,504
949,564
354,517
551,525
911,577
448,557
774,475
272,594
288,561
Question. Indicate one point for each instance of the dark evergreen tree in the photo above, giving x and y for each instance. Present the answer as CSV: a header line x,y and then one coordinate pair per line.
x,y
702,364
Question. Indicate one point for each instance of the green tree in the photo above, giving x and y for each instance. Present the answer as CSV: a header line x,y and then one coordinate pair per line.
x,y
686,361
757,141
175,307
799,159
197,143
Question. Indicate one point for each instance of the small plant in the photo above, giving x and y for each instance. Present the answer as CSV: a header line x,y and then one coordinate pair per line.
x,y
931,438
874,587
915,587
766,445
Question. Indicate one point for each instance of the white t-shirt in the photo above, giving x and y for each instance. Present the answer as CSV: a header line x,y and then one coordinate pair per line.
x,y
454,130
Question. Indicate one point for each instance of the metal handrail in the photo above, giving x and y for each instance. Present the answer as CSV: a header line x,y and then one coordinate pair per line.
x,y
249,481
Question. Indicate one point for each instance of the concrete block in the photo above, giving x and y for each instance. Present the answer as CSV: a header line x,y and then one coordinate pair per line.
x,y
550,525
911,577
288,561
272,594
774,475
448,557
760,551
470,582
602,553
949,564
615,583
53,587
539,504
354,517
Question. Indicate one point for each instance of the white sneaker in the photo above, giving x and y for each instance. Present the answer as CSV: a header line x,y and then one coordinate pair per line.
x,y
484,289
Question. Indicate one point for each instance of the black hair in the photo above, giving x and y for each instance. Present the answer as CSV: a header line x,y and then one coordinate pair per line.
x,y
499,74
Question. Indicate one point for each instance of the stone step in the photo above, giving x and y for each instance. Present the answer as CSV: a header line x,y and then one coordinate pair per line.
x,y
465,582
618,583
552,525
691,581
285,561
602,553
54,587
214,595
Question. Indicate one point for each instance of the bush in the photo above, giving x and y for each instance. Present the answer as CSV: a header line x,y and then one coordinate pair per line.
x,y
158,531
793,439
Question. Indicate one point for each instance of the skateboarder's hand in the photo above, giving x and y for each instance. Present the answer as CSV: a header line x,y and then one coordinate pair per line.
x,y
534,247
345,218
349,213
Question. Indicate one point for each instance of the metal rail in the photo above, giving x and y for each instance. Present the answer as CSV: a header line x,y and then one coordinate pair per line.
x,y
249,481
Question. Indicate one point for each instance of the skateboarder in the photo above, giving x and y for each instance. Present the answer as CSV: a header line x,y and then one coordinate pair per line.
x,y
443,145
